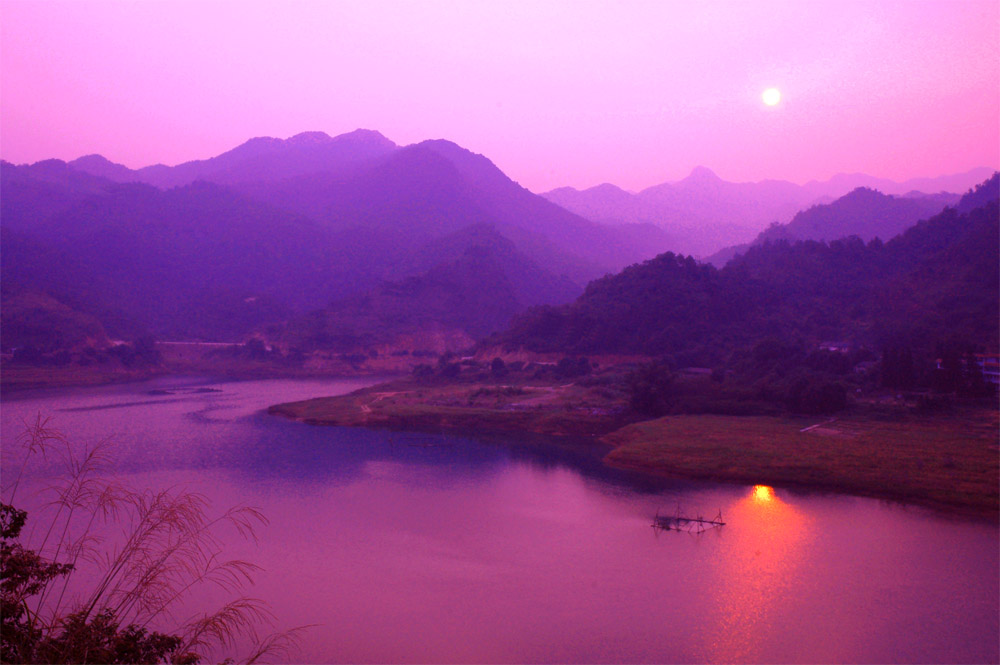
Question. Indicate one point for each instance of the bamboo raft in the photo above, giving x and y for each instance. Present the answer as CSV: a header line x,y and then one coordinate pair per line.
x,y
679,522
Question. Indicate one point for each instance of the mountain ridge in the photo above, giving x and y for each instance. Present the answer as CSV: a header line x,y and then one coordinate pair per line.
x,y
705,214
937,281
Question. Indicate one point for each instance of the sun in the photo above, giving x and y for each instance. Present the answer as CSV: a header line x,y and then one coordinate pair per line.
x,y
771,96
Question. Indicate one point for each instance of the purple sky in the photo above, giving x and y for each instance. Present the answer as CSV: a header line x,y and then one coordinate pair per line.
x,y
555,93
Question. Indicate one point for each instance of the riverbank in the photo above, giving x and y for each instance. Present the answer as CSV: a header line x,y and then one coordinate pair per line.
x,y
16,378
949,462
555,410
225,361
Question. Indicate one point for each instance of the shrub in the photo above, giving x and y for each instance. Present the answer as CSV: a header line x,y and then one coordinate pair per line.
x,y
650,389
170,547
816,397
498,368
570,368
423,371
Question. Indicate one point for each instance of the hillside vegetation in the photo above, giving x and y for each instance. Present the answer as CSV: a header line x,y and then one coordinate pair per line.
x,y
937,281
217,249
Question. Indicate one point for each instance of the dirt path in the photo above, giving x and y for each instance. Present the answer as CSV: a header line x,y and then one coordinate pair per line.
x,y
812,427
549,393
367,409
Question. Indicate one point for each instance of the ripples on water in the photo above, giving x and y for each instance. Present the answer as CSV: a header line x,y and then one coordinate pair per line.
x,y
416,547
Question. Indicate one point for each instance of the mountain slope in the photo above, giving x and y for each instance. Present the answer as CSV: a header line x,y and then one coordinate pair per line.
x,y
466,299
259,159
703,213
938,280
205,262
437,187
363,179
35,319
863,212
33,194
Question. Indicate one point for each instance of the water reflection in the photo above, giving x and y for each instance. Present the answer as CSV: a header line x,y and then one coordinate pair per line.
x,y
431,547
757,564
763,493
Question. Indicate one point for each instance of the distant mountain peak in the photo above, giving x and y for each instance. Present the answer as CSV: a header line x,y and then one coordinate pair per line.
x,y
863,193
702,174
93,159
368,136
306,138
262,140
444,145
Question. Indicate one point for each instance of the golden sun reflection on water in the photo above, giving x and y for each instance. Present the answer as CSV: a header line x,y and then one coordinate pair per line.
x,y
756,565
763,493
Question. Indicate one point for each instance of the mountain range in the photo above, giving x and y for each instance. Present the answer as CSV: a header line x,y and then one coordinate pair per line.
x,y
937,282
865,213
346,241
218,248
703,213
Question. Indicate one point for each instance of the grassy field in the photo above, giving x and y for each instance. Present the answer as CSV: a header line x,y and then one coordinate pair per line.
x,y
17,377
948,461
567,409
215,360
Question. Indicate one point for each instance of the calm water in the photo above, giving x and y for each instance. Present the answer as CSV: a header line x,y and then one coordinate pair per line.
x,y
407,547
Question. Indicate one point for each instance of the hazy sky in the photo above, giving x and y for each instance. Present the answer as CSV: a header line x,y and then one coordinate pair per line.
x,y
555,93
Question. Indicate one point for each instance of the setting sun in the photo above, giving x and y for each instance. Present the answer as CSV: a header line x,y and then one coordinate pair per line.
x,y
763,493
771,96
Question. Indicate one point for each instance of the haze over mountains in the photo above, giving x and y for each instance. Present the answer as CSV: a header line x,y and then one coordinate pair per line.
x,y
865,213
352,241
938,282
703,213
362,179
218,248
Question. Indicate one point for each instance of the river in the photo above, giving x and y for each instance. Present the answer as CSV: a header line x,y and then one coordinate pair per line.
x,y
399,547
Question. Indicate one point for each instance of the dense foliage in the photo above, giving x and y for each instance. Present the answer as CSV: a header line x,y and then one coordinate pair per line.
x,y
276,228
81,637
477,294
936,282
106,567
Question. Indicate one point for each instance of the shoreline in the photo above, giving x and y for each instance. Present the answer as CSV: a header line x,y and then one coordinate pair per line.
x,y
958,511
26,379
949,464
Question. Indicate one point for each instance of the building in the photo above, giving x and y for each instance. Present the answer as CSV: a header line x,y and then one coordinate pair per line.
x,y
990,365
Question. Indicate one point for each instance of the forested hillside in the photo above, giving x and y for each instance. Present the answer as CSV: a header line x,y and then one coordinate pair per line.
x,y
463,300
865,213
220,248
937,282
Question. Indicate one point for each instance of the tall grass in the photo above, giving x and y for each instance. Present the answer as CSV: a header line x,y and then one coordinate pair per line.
x,y
146,553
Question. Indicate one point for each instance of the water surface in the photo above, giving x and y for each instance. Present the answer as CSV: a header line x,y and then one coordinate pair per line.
x,y
423,547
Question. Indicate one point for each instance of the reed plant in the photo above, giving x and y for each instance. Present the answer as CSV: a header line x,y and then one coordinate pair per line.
x,y
145,553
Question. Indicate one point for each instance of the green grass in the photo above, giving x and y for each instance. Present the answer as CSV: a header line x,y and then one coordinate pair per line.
x,y
469,407
19,377
946,462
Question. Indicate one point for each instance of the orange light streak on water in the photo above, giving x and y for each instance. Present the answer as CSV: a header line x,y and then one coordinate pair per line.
x,y
757,561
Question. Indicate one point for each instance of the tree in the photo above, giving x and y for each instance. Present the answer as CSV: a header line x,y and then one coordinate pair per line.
x,y
650,389
898,371
170,547
814,396
570,368
79,638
